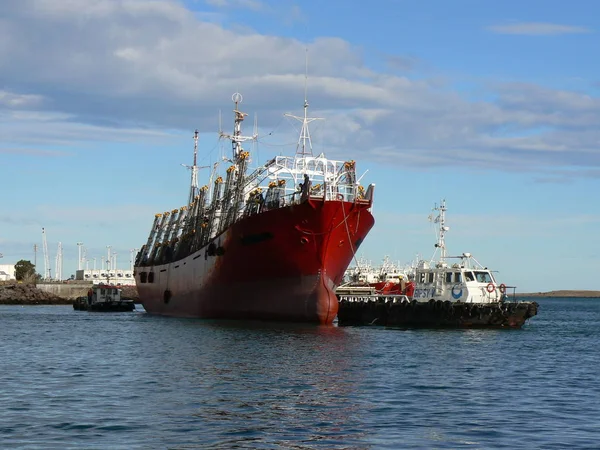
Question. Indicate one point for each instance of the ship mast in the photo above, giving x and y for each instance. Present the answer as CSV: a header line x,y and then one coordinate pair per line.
x,y
441,220
194,170
237,138
304,146
194,189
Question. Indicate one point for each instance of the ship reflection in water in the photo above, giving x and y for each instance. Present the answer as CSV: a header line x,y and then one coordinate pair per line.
x,y
288,385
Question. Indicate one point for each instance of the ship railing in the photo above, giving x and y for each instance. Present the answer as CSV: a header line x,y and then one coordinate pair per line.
x,y
345,192
337,178
375,298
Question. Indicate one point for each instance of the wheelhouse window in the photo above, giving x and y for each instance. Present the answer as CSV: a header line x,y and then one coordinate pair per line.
x,y
469,276
457,277
430,277
448,277
483,277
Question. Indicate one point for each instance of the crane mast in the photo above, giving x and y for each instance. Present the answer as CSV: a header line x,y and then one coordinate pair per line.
x,y
59,263
46,258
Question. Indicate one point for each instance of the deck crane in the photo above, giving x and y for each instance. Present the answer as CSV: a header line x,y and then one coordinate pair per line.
x,y
46,259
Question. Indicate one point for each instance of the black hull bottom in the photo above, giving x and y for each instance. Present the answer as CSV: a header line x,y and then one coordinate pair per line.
x,y
123,306
436,314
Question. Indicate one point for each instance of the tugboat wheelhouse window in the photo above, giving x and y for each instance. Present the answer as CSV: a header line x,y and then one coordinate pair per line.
x,y
483,277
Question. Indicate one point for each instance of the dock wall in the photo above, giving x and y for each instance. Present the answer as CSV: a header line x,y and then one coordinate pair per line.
x,y
67,291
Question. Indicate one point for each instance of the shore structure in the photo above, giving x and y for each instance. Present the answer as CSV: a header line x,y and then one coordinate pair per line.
x,y
122,277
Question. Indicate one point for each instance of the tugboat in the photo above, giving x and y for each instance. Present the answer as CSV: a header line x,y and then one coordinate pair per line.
x,y
462,294
103,297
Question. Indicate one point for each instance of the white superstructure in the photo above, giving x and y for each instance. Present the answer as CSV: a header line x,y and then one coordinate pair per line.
x,y
464,281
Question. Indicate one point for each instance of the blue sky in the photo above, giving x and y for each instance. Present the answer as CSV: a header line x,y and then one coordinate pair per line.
x,y
493,106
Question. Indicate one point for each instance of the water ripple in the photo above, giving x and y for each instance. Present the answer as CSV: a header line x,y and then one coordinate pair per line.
x,y
76,380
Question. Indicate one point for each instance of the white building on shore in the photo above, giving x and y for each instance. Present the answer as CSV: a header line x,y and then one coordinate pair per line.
x,y
123,277
7,272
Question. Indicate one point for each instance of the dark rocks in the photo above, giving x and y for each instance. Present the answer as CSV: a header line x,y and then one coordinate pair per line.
x,y
28,294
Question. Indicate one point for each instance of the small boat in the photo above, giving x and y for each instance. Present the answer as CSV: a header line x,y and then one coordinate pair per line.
x,y
459,294
105,298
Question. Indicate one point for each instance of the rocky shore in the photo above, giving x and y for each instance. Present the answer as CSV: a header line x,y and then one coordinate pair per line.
x,y
29,294
562,294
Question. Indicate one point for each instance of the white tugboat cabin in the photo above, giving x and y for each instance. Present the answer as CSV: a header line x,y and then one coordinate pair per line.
x,y
464,281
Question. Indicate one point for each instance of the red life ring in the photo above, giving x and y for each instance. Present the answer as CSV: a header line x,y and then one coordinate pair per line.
x,y
490,287
502,288
340,197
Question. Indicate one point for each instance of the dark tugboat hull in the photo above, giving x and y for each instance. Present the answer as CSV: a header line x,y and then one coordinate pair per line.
x,y
436,314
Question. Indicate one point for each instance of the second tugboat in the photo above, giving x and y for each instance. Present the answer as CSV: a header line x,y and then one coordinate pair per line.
x,y
272,244
103,298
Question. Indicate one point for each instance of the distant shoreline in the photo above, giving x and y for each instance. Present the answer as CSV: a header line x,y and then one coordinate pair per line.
x,y
561,294
23,294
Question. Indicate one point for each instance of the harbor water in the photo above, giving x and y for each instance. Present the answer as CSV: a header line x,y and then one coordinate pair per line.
x,y
81,380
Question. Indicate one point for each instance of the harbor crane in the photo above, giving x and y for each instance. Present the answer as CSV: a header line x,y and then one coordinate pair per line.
x,y
58,272
46,258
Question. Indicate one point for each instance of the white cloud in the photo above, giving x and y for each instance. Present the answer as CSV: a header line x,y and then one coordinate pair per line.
x,y
538,29
118,68
31,152
62,130
12,100
249,4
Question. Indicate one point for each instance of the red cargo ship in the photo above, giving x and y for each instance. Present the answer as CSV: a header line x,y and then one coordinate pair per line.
x,y
272,244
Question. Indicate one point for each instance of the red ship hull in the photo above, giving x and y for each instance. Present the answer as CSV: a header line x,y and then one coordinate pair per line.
x,y
282,264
